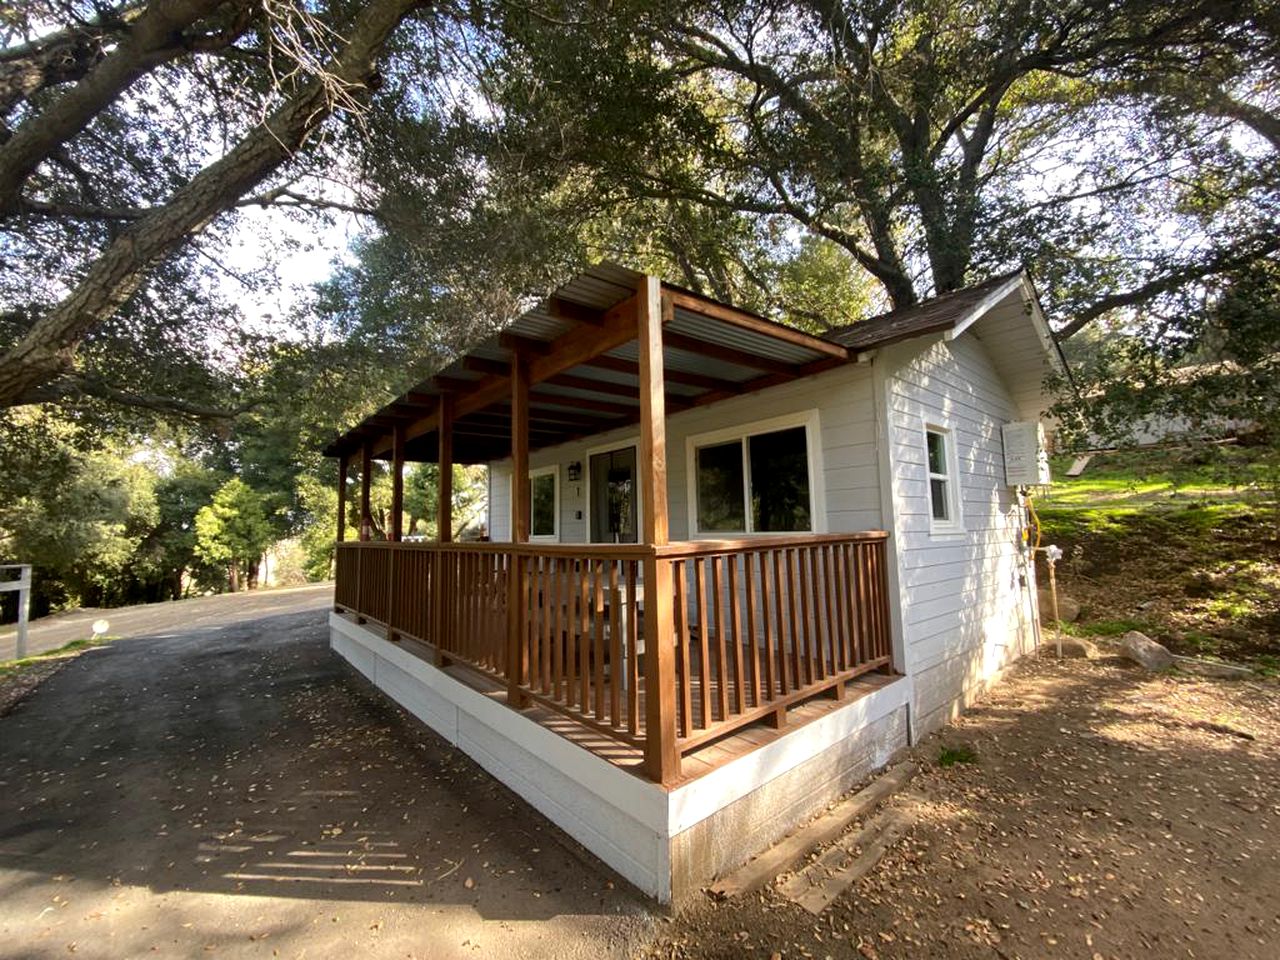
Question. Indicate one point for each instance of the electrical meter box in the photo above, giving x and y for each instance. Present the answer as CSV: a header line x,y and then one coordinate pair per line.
x,y
1026,461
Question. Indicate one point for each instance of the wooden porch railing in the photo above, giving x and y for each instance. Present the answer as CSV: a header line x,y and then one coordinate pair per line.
x,y
759,624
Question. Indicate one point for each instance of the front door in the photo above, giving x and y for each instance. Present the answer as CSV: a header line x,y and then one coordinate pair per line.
x,y
613,496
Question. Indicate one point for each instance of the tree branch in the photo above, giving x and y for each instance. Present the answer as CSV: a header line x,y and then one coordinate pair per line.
x,y
48,348
153,40
1224,263
71,388
276,197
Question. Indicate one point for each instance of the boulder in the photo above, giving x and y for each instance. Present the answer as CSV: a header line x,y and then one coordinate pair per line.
x,y
1213,668
1068,609
1075,647
1141,649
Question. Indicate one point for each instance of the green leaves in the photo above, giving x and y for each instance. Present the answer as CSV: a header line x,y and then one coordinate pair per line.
x,y
233,529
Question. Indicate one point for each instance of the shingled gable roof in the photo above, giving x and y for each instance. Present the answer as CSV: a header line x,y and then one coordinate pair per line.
x,y
936,315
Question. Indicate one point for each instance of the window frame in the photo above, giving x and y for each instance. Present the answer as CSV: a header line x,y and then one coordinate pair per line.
x,y
741,433
954,524
552,470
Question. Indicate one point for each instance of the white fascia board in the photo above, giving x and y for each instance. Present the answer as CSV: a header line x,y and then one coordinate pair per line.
x,y
987,302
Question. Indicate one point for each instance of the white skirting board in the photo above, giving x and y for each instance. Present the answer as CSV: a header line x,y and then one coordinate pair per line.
x,y
625,821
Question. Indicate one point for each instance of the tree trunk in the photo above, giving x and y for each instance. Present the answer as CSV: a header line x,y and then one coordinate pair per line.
x,y
233,576
48,348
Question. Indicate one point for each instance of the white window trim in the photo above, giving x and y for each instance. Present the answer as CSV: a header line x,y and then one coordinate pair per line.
x,y
817,488
633,441
554,471
955,525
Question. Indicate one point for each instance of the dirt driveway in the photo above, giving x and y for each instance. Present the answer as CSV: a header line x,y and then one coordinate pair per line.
x,y
1108,814
231,790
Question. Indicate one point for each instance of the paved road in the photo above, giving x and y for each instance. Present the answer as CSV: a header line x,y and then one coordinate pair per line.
x,y
149,619
229,788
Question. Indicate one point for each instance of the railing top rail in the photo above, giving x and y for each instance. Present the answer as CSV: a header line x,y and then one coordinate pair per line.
x,y
634,551
689,548
603,551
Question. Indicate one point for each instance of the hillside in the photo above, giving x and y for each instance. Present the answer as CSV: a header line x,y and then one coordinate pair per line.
x,y
1180,543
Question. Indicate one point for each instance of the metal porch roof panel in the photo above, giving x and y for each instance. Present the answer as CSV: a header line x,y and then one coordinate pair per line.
x,y
687,362
727,335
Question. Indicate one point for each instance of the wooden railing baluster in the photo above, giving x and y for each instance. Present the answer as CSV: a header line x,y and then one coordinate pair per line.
x,y
755,626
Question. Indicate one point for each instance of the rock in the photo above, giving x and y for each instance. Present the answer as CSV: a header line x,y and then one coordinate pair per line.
x,y
1074,647
1213,668
1141,649
1068,609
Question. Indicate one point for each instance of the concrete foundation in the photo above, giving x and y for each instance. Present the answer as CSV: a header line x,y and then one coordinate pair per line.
x,y
668,843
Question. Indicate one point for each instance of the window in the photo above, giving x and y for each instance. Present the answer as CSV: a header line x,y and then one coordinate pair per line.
x,y
944,509
544,504
753,483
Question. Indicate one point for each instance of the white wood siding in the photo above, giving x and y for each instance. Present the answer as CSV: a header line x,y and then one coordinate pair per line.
x,y
964,608
844,399
500,501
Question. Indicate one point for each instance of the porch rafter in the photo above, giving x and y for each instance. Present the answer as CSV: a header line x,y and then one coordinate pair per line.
x,y
581,348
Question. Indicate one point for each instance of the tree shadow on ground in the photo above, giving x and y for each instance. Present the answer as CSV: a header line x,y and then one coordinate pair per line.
x,y
248,761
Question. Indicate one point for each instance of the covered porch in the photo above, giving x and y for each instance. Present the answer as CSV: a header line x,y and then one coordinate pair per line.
x,y
655,653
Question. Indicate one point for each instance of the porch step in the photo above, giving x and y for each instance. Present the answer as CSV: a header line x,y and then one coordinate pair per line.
x,y
846,861
822,830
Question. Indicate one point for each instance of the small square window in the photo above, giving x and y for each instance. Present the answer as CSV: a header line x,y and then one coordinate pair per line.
x,y
943,506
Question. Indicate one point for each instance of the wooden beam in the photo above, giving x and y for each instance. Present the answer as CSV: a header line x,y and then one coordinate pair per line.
x,y
661,756
517,595
598,386
493,431
444,484
545,359
756,324
718,351
653,427
519,449
563,309
583,403
455,384
397,484
674,402
526,345
688,379
366,467
767,380
342,497
494,368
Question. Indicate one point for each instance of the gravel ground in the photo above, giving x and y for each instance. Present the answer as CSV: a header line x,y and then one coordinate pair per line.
x,y
1107,814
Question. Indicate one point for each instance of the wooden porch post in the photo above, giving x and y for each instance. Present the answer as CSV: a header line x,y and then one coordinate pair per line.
x,y
342,498
444,522
366,468
517,615
444,485
661,758
342,514
397,483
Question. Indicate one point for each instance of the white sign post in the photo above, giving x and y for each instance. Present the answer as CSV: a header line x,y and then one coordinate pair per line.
x,y
23,585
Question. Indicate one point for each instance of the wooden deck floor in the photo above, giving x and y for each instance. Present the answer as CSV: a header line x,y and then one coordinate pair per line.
x,y
700,761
